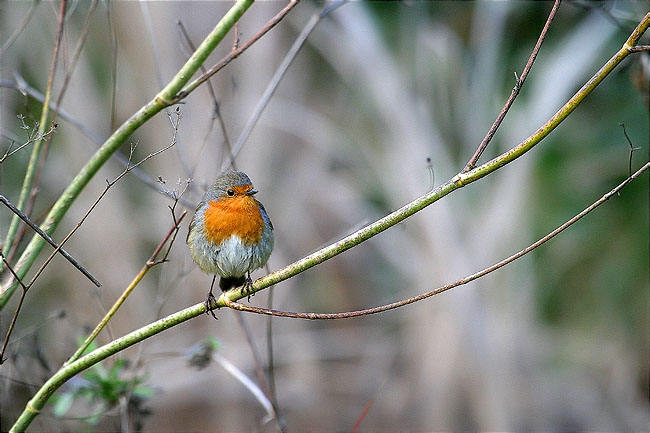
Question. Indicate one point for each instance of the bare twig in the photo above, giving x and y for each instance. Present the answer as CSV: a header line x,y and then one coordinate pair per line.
x,y
49,240
31,137
275,81
21,85
15,316
515,91
632,149
234,54
217,110
9,42
462,281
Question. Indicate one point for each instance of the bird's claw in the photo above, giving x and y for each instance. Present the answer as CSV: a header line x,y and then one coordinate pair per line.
x,y
208,304
247,288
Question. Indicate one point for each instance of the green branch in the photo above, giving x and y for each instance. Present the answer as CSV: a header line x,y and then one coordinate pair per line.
x,y
35,157
38,401
118,138
451,185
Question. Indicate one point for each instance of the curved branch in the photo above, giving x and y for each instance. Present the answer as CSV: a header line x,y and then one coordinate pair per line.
x,y
37,402
110,146
462,281
458,181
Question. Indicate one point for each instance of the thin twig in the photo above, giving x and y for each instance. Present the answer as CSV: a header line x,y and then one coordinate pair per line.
x,y
32,167
9,42
277,77
30,139
49,240
217,110
15,316
234,54
462,281
21,85
515,91
632,149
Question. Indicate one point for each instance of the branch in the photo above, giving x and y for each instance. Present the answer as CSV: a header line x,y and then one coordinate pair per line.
x,y
515,91
160,101
235,53
38,401
275,81
462,281
30,173
458,181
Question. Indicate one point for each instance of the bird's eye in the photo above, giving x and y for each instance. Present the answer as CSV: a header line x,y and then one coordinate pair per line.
x,y
230,192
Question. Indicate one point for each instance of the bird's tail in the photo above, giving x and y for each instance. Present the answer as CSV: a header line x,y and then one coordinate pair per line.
x,y
227,283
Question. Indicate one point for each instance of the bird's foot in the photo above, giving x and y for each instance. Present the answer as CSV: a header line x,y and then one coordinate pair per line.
x,y
208,304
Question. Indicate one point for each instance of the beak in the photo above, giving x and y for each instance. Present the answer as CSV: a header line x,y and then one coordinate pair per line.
x,y
251,191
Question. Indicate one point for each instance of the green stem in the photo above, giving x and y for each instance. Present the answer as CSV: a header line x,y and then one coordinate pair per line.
x,y
114,142
451,185
30,174
38,401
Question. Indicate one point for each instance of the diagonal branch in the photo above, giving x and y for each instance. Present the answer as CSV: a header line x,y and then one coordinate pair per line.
x,y
110,146
462,281
234,53
32,167
515,91
37,402
49,240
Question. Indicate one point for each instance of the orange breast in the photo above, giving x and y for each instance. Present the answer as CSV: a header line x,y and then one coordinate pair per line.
x,y
238,215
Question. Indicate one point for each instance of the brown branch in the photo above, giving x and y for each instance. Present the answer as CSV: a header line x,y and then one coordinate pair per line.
x,y
118,303
277,77
217,110
234,53
109,184
49,240
9,42
329,316
515,91
15,316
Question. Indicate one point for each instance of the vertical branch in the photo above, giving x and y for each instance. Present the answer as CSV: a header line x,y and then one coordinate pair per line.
x,y
515,91
30,174
160,101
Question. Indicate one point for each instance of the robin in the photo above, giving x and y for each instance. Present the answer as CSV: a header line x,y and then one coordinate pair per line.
x,y
230,234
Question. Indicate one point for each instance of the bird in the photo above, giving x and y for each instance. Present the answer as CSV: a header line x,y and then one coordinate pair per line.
x,y
230,234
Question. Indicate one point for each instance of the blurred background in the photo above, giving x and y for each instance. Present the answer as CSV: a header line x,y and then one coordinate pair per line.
x,y
558,340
